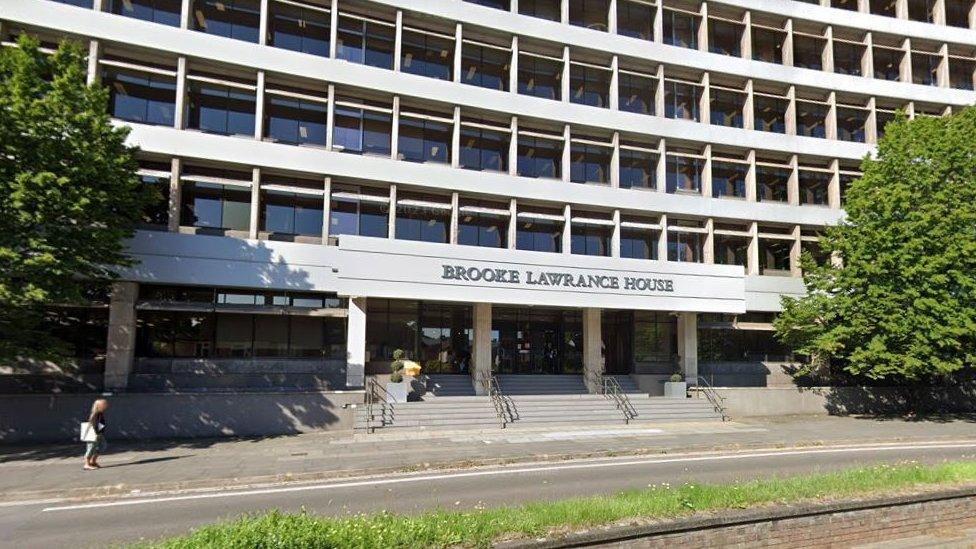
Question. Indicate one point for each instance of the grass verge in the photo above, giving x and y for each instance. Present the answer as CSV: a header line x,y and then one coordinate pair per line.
x,y
481,527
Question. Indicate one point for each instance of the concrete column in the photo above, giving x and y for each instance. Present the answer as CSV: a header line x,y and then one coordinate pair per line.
x,y
395,128
942,72
94,52
659,23
745,43
334,29
330,119
871,126
614,93
703,28
612,16
749,107
263,24
662,241
615,161
179,111
398,41
905,70
356,343
567,235
566,158
481,351
788,44
175,194
939,12
255,203
688,346
513,148
564,12
615,235
456,139
793,185
564,82
867,60
752,261
789,119
512,223
185,6
592,346
259,107
752,190
901,9
795,253
458,50
513,66
830,124
709,248
453,232
827,55
833,188
391,228
121,342
662,167
706,178
326,208
659,93
705,101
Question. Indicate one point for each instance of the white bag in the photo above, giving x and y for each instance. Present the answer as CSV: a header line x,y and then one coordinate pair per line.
x,y
88,433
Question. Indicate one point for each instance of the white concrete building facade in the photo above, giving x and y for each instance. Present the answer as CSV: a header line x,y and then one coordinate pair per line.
x,y
518,186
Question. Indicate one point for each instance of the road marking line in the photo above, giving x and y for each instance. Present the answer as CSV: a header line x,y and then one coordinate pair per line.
x,y
498,472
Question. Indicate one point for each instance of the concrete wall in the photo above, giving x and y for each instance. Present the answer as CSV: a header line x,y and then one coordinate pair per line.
x,y
780,401
55,418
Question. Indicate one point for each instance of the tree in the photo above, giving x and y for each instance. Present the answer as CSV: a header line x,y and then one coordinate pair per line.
x,y
901,303
69,194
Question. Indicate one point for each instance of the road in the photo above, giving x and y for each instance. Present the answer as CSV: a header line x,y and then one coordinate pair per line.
x,y
149,516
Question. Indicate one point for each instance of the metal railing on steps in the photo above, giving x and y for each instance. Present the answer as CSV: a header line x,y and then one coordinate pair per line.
x,y
504,406
379,403
716,400
610,388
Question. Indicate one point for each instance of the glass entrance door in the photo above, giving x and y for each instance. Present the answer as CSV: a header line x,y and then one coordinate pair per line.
x,y
537,341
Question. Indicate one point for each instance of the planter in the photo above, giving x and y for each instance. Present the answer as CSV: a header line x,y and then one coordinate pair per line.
x,y
397,392
676,389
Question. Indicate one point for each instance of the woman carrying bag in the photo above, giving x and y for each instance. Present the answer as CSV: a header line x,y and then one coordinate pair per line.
x,y
93,433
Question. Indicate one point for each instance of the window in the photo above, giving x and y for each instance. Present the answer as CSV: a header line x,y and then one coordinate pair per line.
x,y
847,57
295,121
483,225
543,9
654,337
925,68
811,119
589,163
724,37
156,213
287,213
423,220
683,174
767,44
141,97
731,249
540,76
813,187
808,51
681,28
427,54
726,107
681,100
221,109
362,130
844,4
884,7
485,66
887,62
636,93
882,119
774,256
770,113
922,10
539,156
638,168
351,212
957,13
237,19
773,182
215,206
589,85
298,28
590,239
497,4
78,3
423,138
164,12
484,148
591,14
539,234
685,247
635,18
961,72
729,179
365,41
638,243
850,123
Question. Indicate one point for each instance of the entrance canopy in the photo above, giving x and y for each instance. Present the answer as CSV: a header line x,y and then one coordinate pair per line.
x,y
371,267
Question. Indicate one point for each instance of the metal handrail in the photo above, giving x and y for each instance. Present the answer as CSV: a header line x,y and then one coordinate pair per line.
x,y
498,401
705,388
378,396
609,387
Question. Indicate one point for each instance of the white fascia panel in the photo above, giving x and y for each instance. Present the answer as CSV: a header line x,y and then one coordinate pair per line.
x,y
763,292
251,152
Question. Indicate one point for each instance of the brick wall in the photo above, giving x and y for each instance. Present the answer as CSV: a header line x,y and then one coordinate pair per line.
x,y
842,524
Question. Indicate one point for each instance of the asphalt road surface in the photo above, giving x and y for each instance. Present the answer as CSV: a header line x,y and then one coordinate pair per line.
x,y
149,516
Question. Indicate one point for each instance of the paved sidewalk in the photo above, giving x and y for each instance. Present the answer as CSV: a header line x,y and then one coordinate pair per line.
x,y
54,471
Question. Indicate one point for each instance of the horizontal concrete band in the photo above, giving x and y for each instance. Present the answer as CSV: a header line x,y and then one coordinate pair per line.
x,y
740,518
104,26
250,152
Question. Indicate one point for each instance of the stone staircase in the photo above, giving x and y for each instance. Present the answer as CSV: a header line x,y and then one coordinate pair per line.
x,y
538,401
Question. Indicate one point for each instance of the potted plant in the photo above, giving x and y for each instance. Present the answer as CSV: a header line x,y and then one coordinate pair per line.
x,y
676,386
397,388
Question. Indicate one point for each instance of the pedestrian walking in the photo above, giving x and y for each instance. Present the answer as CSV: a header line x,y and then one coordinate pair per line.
x,y
93,433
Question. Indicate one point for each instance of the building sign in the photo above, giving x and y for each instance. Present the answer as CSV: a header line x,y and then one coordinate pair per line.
x,y
540,278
